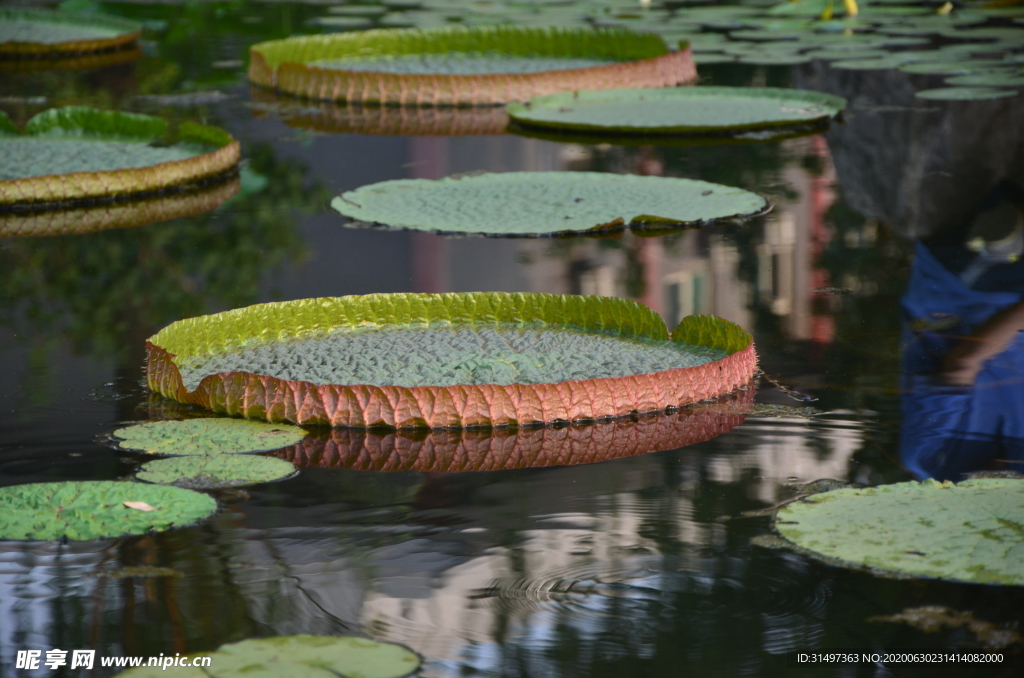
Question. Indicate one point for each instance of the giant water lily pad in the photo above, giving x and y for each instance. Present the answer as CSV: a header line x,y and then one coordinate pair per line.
x,y
678,110
207,437
96,509
221,470
465,65
423,360
972,531
532,204
28,33
77,154
297,656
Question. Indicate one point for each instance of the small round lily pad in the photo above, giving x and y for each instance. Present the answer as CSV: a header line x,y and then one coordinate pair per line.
x,y
208,437
972,531
291,656
32,33
222,470
535,204
67,156
96,509
1008,79
966,93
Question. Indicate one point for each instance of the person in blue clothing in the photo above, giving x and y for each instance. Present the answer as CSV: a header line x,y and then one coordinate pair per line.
x,y
963,355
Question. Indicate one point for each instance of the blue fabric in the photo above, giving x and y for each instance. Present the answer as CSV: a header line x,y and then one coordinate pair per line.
x,y
948,431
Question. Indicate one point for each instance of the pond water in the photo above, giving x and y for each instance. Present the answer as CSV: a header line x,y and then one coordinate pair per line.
x,y
856,288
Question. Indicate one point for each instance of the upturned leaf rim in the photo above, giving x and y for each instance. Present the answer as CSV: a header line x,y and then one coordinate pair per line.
x,y
75,189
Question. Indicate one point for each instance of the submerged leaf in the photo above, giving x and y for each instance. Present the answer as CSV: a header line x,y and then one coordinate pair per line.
x,y
933,618
207,437
532,204
209,472
972,531
96,509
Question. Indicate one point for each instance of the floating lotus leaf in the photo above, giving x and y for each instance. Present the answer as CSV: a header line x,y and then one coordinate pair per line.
x,y
450,360
1010,79
966,93
75,154
344,118
465,65
972,531
129,214
500,449
27,33
207,437
221,470
679,110
297,657
535,204
96,509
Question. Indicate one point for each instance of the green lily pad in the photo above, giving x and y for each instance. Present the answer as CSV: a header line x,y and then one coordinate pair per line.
x,y
96,509
966,93
27,33
346,23
208,437
937,68
220,470
112,154
297,657
709,58
775,59
972,531
676,110
1008,79
882,64
532,204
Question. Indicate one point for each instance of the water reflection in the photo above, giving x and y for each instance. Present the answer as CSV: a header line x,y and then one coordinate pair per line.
x,y
344,118
491,450
128,214
964,353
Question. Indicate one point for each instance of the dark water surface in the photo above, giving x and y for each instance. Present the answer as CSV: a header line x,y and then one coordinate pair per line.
x,y
854,288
